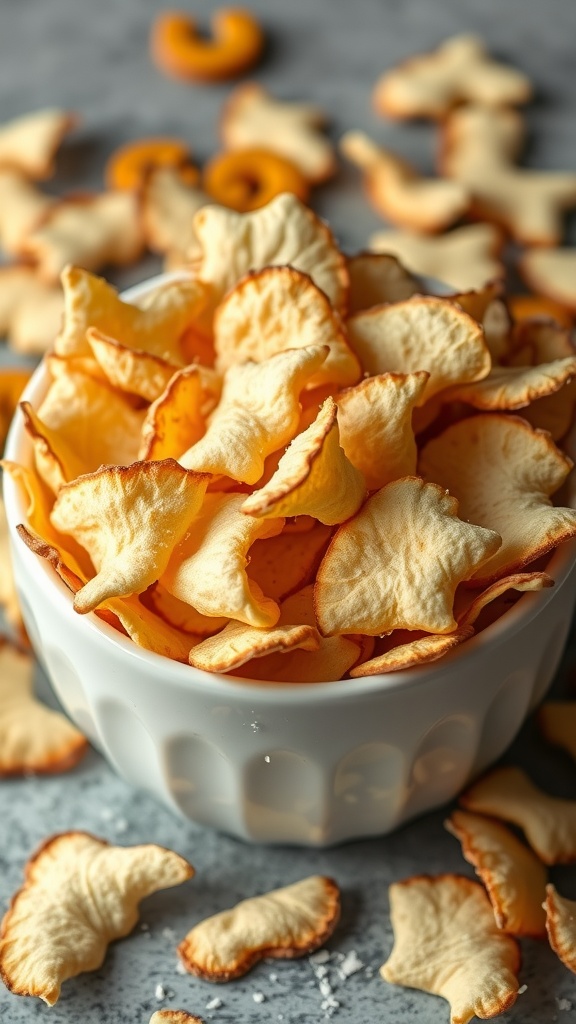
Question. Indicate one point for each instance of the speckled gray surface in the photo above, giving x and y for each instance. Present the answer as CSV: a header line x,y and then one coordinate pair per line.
x,y
94,58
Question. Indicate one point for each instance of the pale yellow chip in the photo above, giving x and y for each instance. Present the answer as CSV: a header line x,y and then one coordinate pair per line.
x,y
55,459
397,563
284,923
422,333
238,643
464,258
377,277
459,71
282,564
488,306
30,310
555,413
79,894
169,205
33,738
279,308
208,568
561,926
176,420
399,193
118,513
446,942
375,421
90,232
407,649
503,472
258,414
514,387
514,877
313,478
22,208
29,142
549,823
551,272
479,149
283,232
557,720
253,118
469,604
128,369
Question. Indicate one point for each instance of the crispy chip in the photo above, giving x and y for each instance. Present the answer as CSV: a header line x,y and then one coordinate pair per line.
x,y
377,277
177,613
557,720
375,420
238,643
283,232
33,738
22,208
423,333
79,894
30,311
313,478
174,1017
169,205
513,875
397,563
555,413
116,512
131,370
282,564
208,568
446,942
513,387
276,309
552,273
465,258
406,649
468,605
177,419
30,142
561,926
283,924
548,822
502,473
56,461
258,414
488,307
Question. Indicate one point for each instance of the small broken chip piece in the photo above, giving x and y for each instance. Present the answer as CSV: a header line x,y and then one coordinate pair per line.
x,y
174,1017
514,877
403,649
561,926
465,257
79,894
248,179
130,164
557,720
446,942
285,923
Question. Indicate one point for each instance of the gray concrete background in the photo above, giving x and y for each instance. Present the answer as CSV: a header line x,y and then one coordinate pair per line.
x,y
93,57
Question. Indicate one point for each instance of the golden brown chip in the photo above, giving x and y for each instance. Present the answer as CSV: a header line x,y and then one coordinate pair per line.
x,y
548,822
208,568
279,308
258,414
446,942
180,615
29,142
423,333
465,257
55,460
283,924
409,649
397,563
238,643
375,421
375,278
561,926
513,387
12,383
557,720
513,875
284,563
313,478
177,419
174,1017
117,513
79,894
33,738
128,369
468,604
502,472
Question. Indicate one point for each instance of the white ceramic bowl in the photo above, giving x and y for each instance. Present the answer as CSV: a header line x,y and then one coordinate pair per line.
x,y
312,765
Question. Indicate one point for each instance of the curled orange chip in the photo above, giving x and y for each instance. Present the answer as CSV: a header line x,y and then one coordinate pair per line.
x,y
561,926
378,277
502,472
380,574
238,643
513,875
409,649
30,142
247,179
176,420
422,333
548,822
446,942
179,49
33,738
283,924
557,720
313,478
130,164
79,894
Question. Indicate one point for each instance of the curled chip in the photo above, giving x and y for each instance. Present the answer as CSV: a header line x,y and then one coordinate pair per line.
x,y
548,822
502,472
179,49
176,420
30,311
252,117
117,512
557,720
130,164
446,942
79,894
168,208
128,369
276,309
208,569
56,461
283,924
513,387
422,333
378,277
283,232
380,574
180,615
247,179
238,643
258,414
313,478
469,605
22,207
29,143
399,193
514,877
33,738
404,649
465,258
561,926
375,421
